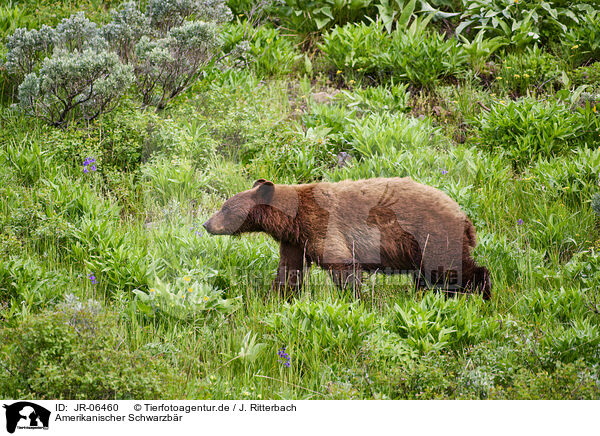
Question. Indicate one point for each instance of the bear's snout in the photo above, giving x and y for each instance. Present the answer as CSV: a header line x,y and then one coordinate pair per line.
x,y
214,226
209,228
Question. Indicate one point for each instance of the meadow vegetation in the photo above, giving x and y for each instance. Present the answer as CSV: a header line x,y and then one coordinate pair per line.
x,y
124,126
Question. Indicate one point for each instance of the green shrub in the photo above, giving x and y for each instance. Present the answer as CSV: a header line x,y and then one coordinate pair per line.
x,y
423,57
578,341
389,99
587,75
521,22
531,70
69,88
266,51
311,329
525,130
172,180
358,50
186,299
76,352
571,179
415,55
582,41
27,284
436,323
306,17
166,67
479,49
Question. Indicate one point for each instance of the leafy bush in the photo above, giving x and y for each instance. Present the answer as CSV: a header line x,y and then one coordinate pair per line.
x,y
572,179
301,158
266,50
74,353
310,328
305,17
587,75
168,66
186,299
532,70
582,41
435,323
357,48
68,88
480,49
524,130
25,283
520,22
389,99
413,55
578,341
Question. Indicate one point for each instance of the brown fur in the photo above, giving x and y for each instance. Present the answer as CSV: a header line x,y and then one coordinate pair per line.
x,y
390,225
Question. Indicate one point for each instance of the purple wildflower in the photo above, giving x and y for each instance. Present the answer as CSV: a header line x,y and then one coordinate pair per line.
x,y
91,162
196,228
92,277
284,357
520,222
444,171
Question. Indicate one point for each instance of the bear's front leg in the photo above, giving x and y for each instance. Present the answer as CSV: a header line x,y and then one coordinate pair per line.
x,y
290,271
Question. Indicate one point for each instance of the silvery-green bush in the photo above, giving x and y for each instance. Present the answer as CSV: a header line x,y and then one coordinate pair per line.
x,y
166,14
168,66
70,87
26,48
73,71
126,28
77,33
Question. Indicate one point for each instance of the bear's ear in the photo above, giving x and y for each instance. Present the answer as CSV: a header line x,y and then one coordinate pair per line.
x,y
260,182
265,190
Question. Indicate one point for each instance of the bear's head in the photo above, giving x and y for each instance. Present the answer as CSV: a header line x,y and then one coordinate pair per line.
x,y
237,215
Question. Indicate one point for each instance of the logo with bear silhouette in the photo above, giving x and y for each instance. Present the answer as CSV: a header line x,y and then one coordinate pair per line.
x,y
26,415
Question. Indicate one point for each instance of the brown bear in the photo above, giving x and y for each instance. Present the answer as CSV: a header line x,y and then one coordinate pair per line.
x,y
387,225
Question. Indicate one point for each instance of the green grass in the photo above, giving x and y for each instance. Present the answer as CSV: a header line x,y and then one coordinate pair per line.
x,y
189,315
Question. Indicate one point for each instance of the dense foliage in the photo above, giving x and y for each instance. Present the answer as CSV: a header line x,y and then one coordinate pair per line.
x,y
110,288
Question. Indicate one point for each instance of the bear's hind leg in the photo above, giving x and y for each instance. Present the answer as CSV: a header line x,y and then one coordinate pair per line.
x,y
476,279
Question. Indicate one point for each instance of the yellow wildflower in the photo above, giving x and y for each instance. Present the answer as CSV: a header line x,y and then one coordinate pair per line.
x,y
187,279
351,82
500,78
594,109
190,290
338,72
526,75
205,298
152,289
516,76
576,46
